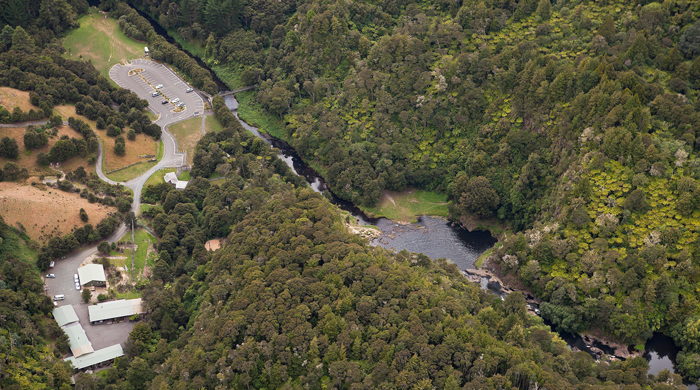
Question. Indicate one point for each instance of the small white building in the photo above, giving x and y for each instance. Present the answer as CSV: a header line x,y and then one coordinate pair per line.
x,y
171,178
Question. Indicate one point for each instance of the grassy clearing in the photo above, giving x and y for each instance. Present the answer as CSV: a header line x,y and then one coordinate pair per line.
x,y
136,170
230,76
256,115
27,158
143,240
46,212
185,176
406,206
187,133
16,243
101,42
141,146
212,125
157,177
11,98
133,294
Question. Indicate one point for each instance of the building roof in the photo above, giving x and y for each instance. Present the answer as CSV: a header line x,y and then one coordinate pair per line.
x,y
77,339
180,185
97,357
91,273
170,177
114,309
65,315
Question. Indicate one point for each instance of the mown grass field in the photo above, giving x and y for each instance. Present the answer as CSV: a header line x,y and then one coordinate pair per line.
x,y
101,42
187,133
406,206
142,240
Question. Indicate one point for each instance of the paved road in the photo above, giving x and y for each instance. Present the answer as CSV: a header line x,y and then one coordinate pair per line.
x,y
154,74
173,87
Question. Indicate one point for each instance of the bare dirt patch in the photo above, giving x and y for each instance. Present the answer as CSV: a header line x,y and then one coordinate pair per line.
x,y
11,98
214,244
27,158
46,212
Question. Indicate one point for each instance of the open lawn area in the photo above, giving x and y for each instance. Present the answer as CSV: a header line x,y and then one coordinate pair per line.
x,y
406,206
46,212
143,241
102,42
27,158
136,150
187,133
11,98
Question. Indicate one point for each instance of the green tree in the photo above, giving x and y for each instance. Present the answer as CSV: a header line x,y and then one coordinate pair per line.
x,y
544,9
86,295
478,197
8,148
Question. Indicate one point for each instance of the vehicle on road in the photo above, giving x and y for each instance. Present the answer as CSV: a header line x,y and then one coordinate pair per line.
x,y
59,297
156,93
164,102
77,286
51,276
52,264
189,90
159,86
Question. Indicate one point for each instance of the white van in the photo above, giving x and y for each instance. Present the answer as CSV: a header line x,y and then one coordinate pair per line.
x,y
59,297
175,100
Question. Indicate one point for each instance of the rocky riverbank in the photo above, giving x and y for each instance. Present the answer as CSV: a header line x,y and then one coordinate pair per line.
x,y
488,278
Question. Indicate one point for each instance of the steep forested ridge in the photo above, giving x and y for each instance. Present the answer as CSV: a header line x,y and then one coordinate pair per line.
x,y
574,121
294,301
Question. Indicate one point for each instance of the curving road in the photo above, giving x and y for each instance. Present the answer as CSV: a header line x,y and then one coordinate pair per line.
x,y
173,87
143,83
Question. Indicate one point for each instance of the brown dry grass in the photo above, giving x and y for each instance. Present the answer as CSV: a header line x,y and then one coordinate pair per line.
x,y
11,98
142,145
46,212
27,158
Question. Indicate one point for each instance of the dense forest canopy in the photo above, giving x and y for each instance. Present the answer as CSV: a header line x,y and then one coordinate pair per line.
x,y
574,121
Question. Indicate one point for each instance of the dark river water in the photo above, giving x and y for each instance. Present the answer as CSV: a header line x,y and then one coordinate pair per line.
x,y
432,236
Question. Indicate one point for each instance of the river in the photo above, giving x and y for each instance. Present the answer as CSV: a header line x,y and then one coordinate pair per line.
x,y
432,236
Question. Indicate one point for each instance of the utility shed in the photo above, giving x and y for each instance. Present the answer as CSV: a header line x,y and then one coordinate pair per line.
x,y
181,185
92,275
77,339
114,310
96,358
65,315
170,177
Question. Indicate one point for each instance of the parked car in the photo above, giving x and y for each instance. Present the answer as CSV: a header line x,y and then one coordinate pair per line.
x,y
52,264
77,286
59,297
180,104
164,102
159,86
156,93
75,278
51,276
176,100
189,90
